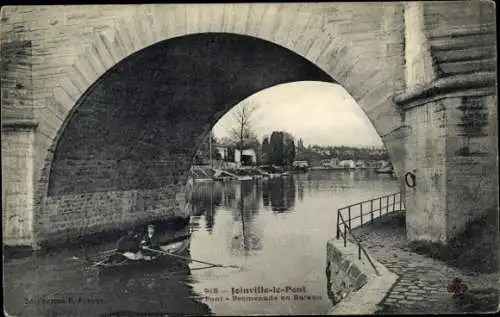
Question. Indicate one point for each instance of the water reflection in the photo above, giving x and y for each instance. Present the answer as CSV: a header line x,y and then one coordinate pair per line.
x,y
279,194
255,224
300,189
246,198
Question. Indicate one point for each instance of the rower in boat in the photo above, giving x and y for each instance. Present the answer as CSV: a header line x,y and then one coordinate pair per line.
x,y
129,246
151,240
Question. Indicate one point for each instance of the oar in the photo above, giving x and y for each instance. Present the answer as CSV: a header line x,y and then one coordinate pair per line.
x,y
87,257
106,252
98,263
190,259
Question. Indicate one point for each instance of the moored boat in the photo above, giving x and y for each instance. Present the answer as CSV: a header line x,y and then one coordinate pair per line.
x,y
388,169
245,178
385,170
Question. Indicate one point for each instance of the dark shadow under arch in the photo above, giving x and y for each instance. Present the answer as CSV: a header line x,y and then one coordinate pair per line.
x,y
141,122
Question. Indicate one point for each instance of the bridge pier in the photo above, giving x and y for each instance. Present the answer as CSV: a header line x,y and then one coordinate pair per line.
x,y
69,217
451,116
455,170
18,138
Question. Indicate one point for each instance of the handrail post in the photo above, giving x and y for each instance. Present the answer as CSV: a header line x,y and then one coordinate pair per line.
x,y
400,201
338,225
387,202
345,235
361,213
347,224
371,211
349,210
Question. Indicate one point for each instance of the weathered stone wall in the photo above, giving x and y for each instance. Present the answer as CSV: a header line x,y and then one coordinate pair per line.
x,y
17,184
89,175
361,296
16,77
418,60
449,55
345,273
452,188
443,15
472,181
71,216
355,287
472,192
426,153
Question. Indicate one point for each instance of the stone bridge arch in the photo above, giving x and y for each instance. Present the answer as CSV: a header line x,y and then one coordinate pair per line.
x,y
436,58
306,33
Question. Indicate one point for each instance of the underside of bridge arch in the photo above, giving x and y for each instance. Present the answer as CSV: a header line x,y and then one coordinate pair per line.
x,y
139,125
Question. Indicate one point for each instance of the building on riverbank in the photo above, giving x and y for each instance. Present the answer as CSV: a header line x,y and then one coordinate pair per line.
x,y
329,163
347,164
245,157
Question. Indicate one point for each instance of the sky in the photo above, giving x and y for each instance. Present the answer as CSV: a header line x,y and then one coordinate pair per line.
x,y
318,112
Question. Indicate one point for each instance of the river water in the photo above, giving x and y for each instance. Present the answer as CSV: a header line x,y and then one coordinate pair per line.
x,y
274,230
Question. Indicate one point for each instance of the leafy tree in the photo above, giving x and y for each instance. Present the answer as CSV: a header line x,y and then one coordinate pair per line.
x,y
289,151
277,148
300,145
266,151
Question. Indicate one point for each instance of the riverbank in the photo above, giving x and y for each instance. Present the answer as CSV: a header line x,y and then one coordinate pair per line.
x,y
423,277
203,173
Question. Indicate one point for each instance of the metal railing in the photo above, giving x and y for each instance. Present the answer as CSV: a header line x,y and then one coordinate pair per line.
x,y
393,202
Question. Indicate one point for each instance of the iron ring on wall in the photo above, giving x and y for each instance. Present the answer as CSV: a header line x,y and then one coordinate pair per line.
x,y
413,182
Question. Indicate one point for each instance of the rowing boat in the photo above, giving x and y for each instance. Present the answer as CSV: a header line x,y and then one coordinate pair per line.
x,y
174,246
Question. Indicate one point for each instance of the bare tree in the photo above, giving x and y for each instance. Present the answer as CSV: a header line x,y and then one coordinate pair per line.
x,y
242,132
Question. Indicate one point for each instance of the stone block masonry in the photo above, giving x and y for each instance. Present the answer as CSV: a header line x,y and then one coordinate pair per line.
x,y
426,149
343,272
453,188
17,183
69,217
17,86
79,176
355,288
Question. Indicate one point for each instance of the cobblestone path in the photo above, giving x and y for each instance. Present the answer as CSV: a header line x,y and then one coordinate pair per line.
x,y
422,286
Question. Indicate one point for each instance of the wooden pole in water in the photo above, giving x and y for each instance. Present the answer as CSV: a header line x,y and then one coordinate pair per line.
x,y
210,150
242,213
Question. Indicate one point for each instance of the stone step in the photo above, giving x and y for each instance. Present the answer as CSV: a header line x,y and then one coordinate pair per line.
x,y
466,54
461,31
464,67
462,42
